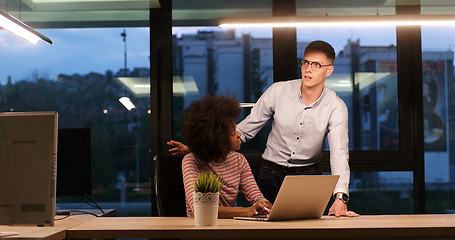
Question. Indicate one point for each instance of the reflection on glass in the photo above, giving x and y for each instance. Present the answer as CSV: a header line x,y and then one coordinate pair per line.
x,y
365,78
239,64
80,76
438,117
381,192
210,61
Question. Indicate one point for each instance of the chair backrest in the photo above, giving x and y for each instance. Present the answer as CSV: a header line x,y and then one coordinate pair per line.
x,y
168,183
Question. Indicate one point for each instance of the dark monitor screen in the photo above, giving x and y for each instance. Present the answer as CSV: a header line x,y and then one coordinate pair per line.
x,y
74,174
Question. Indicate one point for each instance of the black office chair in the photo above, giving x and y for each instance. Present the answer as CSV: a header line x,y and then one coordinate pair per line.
x,y
168,183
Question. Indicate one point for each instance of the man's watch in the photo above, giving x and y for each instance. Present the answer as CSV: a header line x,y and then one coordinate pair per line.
x,y
342,196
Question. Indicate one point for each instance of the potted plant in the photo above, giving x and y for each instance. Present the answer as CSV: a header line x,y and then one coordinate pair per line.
x,y
206,198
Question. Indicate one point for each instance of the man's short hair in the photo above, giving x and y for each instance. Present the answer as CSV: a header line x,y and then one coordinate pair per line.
x,y
321,46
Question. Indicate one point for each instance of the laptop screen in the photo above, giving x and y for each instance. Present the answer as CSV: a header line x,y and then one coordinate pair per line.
x,y
300,197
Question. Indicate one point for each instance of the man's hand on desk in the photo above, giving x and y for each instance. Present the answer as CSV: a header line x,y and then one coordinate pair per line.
x,y
339,208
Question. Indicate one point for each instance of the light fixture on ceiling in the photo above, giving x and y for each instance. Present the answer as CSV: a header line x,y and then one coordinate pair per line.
x,y
127,103
20,29
337,21
92,4
247,105
139,86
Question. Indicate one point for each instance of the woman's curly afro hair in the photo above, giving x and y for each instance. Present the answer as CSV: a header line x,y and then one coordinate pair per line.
x,y
208,124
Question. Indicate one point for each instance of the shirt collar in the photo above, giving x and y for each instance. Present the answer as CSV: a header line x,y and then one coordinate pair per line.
x,y
315,103
324,90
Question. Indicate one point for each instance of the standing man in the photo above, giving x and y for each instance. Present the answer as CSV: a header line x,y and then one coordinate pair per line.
x,y
304,113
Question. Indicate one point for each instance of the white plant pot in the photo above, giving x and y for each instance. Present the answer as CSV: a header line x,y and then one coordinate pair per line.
x,y
205,207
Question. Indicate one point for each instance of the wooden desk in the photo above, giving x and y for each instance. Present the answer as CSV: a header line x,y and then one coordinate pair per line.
x,y
56,232
440,226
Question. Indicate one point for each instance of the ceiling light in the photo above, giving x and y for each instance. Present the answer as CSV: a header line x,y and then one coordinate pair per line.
x,y
139,86
337,21
20,29
59,1
127,103
246,105
122,4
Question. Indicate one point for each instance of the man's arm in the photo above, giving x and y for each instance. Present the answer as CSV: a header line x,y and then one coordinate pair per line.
x,y
178,148
338,139
261,112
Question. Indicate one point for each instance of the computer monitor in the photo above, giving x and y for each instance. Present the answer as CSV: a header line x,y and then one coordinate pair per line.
x,y
74,162
28,162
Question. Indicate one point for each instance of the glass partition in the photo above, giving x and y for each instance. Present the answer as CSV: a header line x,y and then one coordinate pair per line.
x,y
438,117
213,61
82,75
365,77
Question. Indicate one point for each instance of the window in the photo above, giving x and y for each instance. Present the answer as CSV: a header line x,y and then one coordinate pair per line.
x,y
210,61
377,158
438,118
365,77
82,75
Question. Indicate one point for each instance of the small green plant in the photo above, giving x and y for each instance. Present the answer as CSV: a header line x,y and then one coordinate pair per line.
x,y
208,181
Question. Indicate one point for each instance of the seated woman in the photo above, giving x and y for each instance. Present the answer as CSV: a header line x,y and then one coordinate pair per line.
x,y
209,130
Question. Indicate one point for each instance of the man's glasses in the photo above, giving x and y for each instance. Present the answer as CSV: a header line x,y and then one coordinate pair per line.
x,y
314,65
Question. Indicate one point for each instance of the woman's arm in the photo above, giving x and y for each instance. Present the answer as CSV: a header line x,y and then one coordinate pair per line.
x,y
250,189
230,212
190,172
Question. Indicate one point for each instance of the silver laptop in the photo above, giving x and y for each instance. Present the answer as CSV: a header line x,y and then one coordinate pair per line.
x,y
300,197
28,158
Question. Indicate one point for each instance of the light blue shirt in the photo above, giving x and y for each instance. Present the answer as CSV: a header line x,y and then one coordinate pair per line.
x,y
298,131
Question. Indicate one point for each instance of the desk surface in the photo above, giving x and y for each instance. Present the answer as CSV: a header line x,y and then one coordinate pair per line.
x,y
366,226
56,232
